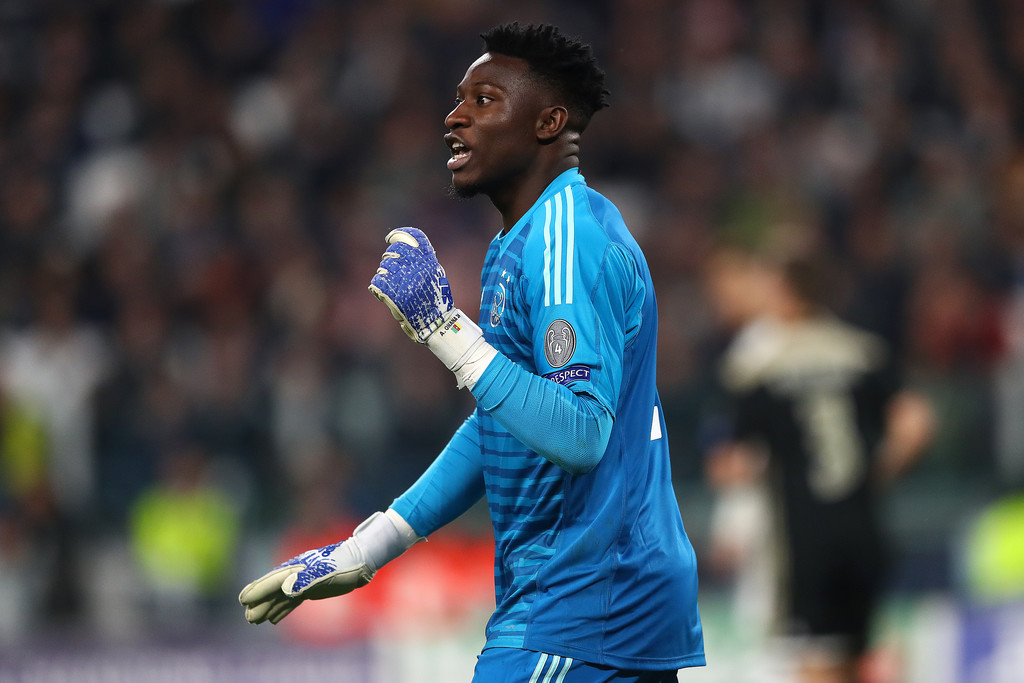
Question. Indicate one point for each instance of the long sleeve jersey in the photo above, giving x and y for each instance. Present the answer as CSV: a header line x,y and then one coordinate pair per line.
x,y
568,445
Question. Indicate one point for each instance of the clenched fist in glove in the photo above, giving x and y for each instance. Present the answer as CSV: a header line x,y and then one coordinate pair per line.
x,y
412,283
330,571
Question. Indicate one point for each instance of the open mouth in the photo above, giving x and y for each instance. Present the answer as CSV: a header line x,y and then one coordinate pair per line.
x,y
460,155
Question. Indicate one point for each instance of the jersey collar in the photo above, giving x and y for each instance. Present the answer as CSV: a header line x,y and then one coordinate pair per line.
x,y
561,181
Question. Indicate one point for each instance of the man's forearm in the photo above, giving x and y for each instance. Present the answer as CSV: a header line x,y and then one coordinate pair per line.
x,y
569,429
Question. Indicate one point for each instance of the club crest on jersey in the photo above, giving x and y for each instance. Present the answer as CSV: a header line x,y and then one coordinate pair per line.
x,y
498,306
559,343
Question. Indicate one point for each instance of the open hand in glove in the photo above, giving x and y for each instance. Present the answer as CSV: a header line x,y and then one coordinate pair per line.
x,y
330,571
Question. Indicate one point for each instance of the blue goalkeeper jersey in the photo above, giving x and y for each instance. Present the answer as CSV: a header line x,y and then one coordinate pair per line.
x,y
594,566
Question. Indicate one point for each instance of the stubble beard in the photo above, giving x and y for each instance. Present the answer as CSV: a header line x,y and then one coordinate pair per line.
x,y
462,193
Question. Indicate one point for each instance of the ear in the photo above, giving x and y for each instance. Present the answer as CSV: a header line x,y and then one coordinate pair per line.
x,y
551,123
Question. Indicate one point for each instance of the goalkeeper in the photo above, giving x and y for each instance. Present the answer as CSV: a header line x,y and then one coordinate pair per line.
x,y
595,579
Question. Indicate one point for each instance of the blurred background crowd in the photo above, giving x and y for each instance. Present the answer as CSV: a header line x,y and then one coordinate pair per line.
x,y
194,380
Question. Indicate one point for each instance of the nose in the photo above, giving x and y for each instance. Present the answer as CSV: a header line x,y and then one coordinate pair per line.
x,y
456,118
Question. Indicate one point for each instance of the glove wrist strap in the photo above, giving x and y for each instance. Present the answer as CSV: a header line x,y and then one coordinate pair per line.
x,y
382,537
459,343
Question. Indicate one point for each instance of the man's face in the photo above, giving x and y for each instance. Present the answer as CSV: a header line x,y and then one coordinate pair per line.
x,y
493,128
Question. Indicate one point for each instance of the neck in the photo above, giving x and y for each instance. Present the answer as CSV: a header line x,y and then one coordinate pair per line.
x,y
515,199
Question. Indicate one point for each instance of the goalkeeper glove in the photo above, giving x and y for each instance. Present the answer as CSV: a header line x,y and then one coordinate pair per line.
x,y
330,571
414,286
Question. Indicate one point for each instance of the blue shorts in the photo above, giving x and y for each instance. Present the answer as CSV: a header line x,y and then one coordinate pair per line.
x,y
509,665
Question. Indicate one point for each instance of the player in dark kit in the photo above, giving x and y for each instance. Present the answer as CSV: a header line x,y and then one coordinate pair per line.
x,y
595,578
824,402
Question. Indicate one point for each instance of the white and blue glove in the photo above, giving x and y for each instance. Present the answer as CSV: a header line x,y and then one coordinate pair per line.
x,y
330,571
414,286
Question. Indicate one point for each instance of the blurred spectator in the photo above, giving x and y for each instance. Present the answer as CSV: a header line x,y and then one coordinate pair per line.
x,y
1008,212
139,407
994,552
52,367
740,548
28,524
184,533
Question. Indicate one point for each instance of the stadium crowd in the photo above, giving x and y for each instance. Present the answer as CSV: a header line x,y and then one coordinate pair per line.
x,y
194,194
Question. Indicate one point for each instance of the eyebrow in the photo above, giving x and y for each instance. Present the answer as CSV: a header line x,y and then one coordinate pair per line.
x,y
474,84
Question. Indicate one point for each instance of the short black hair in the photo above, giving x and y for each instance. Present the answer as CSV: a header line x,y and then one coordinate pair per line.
x,y
565,64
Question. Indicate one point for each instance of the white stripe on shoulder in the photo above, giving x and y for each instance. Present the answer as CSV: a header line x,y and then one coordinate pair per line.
x,y
558,249
570,243
547,253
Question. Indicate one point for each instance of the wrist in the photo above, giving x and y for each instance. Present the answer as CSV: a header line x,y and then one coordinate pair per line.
x,y
459,343
382,537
